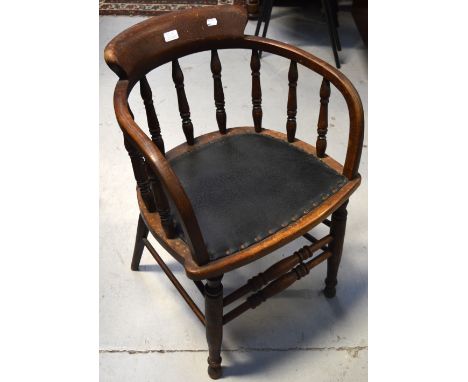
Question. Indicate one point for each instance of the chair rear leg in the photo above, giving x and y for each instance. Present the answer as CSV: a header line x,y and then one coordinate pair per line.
x,y
337,230
214,325
142,233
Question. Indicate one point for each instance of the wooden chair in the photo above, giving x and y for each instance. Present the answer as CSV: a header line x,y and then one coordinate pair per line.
x,y
225,199
330,8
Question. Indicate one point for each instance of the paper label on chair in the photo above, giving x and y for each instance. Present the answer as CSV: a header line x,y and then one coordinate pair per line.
x,y
171,35
211,22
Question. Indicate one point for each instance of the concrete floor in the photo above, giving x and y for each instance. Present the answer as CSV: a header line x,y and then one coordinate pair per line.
x,y
147,333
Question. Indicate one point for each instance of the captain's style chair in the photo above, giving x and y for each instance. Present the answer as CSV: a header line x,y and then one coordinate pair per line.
x,y
222,200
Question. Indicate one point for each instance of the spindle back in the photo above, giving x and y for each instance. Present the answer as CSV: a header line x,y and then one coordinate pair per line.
x,y
164,39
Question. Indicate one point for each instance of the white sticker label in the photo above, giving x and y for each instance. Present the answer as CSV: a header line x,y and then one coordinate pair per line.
x,y
171,35
211,22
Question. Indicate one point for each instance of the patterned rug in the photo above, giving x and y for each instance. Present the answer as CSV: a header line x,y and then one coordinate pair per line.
x,y
154,7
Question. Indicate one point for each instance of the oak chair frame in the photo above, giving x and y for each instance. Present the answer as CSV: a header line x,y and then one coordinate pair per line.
x,y
140,49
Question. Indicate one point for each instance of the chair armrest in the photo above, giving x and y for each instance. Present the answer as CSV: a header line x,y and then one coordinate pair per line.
x,y
162,170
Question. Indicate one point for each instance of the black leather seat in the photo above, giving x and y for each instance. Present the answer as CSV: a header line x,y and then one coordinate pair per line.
x,y
246,187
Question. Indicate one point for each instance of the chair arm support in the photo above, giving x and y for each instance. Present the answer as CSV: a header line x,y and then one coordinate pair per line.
x,y
163,171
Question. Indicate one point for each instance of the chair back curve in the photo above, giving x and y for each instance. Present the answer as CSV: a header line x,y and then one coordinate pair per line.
x,y
141,48
164,39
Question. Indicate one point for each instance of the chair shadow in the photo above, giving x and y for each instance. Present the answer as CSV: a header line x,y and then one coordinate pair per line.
x,y
262,359
291,300
156,268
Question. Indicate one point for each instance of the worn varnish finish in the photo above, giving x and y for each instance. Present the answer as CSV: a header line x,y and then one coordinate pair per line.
x,y
292,101
257,112
218,91
142,48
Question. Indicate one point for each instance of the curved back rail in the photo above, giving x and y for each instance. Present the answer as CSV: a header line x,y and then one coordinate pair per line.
x,y
152,43
141,48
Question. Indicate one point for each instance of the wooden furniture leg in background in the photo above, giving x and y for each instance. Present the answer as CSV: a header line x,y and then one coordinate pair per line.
x,y
252,9
334,39
214,324
337,231
264,17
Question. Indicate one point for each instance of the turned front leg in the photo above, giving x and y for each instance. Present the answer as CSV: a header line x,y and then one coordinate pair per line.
x,y
214,324
337,231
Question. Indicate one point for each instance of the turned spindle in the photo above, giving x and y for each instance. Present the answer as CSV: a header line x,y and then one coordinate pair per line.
x,y
153,123
276,286
141,175
184,109
256,91
277,269
292,101
162,205
218,91
322,126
